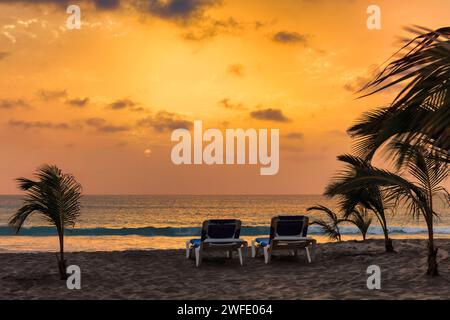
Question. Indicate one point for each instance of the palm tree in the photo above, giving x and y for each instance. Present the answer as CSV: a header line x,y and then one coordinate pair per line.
x,y
56,197
371,198
329,226
417,195
361,218
420,113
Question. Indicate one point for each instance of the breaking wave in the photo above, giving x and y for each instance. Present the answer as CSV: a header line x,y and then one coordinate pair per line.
x,y
195,231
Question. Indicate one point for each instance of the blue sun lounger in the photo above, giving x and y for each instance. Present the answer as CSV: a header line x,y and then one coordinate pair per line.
x,y
217,235
287,233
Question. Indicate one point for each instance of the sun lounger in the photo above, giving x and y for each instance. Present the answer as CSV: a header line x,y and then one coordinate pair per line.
x,y
217,235
287,233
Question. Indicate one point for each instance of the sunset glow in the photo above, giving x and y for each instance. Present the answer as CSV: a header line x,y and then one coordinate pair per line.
x,y
101,102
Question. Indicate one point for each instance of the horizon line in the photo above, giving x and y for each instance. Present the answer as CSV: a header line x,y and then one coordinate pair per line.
x,y
187,194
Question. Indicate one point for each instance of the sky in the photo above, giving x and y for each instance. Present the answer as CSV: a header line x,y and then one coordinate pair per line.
x,y
102,101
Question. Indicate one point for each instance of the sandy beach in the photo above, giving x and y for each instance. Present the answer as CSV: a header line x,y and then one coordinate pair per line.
x,y
339,272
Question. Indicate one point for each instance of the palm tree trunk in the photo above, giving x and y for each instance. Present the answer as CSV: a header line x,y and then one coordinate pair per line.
x,y
389,247
432,251
388,242
62,263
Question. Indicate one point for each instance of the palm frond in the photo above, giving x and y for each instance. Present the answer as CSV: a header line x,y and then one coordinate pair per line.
x,y
328,229
330,225
362,219
369,197
53,195
420,113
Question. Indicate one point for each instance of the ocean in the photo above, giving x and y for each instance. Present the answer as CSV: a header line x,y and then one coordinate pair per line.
x,y
109,223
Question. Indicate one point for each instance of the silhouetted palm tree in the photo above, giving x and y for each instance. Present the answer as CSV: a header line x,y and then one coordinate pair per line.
x,y
329,226
369,197
56,197
361,218
417,195
420,114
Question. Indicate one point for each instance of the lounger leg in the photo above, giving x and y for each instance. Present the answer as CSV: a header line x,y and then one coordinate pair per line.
x,y
241,259
308,255
266,255
198,257
313,250
188,249
253,248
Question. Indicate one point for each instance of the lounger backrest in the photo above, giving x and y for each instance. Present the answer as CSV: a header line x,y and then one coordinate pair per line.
x,y
221,229
289,226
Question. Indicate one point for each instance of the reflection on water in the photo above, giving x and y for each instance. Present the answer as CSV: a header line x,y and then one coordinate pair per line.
x,y
120,243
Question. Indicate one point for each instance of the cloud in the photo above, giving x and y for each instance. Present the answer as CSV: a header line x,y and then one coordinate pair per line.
x,y
178,10
128,104
95,122
78,102
25,125
122,104
338,133
3,55
209,28
99,4
110,128
10,104
10,37
185,13
121,144
107,4
269,115
236,70
48,95
294,136
358,82
165,121
227,104
101,125
288,37
182,11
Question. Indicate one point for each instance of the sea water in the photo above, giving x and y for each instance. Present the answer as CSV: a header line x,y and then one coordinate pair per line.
x,y
109,223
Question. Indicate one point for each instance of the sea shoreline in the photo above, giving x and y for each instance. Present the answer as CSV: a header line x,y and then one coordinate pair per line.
x,y
42,244
340,272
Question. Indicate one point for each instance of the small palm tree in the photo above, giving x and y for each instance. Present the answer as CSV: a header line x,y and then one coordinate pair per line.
x,y
370,197
329,225
361,218
418,195
56,197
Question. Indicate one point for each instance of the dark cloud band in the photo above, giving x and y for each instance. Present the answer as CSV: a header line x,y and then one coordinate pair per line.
x,y
269,115
289,37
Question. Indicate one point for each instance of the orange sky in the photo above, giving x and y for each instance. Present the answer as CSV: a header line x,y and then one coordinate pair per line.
x,y
102,101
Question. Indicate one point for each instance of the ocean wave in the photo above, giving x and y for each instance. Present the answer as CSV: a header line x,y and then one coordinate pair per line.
x,y
195,231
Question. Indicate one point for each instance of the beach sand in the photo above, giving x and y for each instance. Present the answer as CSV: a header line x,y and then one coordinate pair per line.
x,y
339,272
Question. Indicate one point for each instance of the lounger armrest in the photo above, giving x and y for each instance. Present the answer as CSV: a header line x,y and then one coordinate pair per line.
x,y
293,239
230,240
